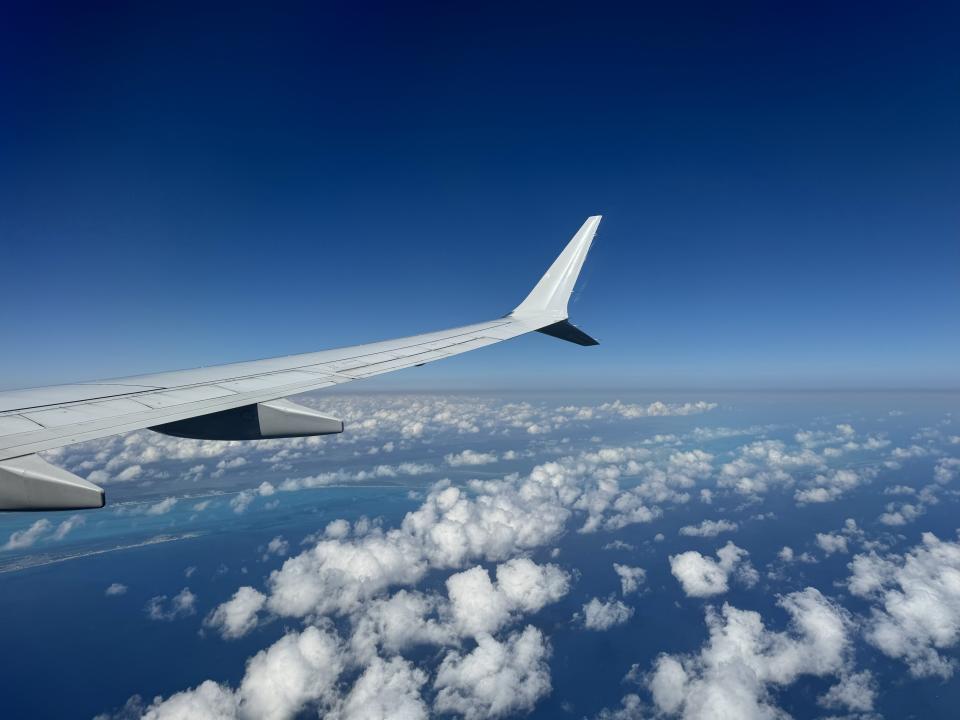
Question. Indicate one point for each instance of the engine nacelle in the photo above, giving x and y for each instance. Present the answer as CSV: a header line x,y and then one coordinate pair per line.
x,y
262,421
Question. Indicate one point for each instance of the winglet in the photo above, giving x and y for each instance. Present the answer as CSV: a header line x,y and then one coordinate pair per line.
x,y
546,304
549,298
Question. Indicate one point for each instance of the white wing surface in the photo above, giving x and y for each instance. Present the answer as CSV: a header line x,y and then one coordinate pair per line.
x,y
241,400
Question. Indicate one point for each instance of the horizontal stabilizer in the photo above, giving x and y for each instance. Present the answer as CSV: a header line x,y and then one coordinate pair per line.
x,y
569,332
31,483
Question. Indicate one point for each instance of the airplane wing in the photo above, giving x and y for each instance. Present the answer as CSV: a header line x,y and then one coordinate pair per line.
x,y
241,401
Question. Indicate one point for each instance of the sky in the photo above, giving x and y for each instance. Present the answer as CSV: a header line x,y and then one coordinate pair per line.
x,y
193,183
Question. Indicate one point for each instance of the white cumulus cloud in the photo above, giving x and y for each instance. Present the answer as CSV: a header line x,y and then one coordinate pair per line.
x,y
702,576
238,615
180,605
600,614
709,528
496,679
470,457
734,672
26,538
915,613
631,578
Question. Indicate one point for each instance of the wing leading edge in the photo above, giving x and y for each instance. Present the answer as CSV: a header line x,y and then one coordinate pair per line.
x,y
242,400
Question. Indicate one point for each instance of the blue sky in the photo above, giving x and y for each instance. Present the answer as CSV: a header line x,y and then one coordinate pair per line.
x,y
190,185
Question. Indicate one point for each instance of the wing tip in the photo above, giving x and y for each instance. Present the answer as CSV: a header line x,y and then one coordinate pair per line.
x,y
550,296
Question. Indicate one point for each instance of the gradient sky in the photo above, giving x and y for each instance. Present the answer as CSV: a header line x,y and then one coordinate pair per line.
x,y
186,185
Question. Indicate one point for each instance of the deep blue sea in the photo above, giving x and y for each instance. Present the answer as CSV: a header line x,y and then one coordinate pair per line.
x,y
778,469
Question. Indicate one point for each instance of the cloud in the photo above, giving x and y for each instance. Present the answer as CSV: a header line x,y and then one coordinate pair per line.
x,y
162,507
335,575
208,701
238,615
763,464
899,490
277,547
709,528
241,501
829,486
733,673
631,578
371,419
337,529
832,543
116,589
490,520
600,614
947,469
346,572
266,489
855,692
470,457
655,483
297,669
21,539
787,555
898,514
401,621
180,605
496,679
363,576
815,438
131,472
499,519
343,476
618,545
702,576
631,708
387,689
438,583
915,613
481,607
656,409
231,464
914,451
68,526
